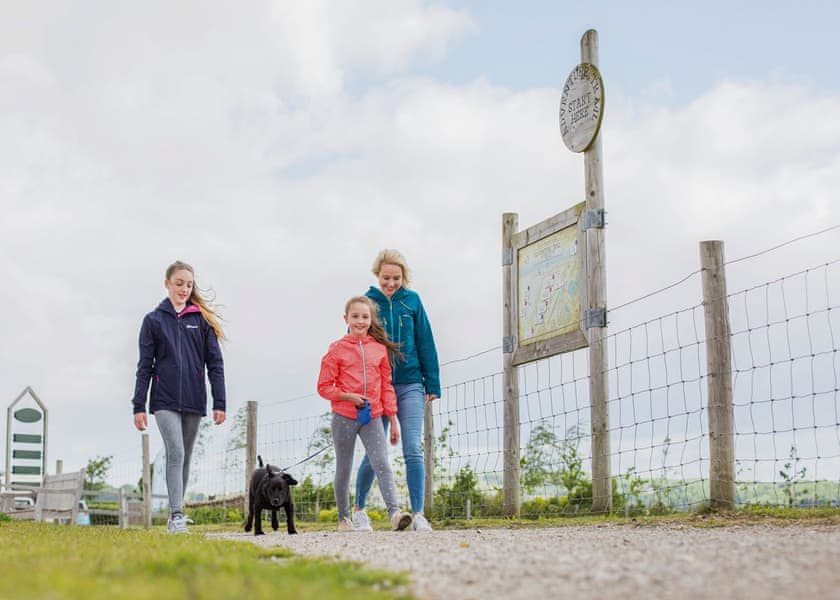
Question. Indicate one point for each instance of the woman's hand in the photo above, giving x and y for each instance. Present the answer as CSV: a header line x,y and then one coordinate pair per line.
x,y
141,421
218,417
394,430
430,397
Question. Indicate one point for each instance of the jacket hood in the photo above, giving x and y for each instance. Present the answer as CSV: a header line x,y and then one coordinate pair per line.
x,y
166,306
353,340
375,293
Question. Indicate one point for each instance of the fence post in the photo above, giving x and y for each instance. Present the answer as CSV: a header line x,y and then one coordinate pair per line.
x,y
250,449
428,456
147,484
719,376
123,507
510,376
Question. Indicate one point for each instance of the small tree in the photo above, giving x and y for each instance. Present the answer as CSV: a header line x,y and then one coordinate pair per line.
x,y
537,459
791,476
633,484
442,449
321,441
96,471
548,460
661,486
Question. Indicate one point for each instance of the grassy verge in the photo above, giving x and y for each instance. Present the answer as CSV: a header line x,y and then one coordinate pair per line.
x,y
52,561
754,515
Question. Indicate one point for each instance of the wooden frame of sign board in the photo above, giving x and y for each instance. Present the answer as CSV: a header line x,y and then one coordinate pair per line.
x,y
572,335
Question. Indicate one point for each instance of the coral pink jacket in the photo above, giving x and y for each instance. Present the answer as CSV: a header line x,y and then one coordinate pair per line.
x,y
357,366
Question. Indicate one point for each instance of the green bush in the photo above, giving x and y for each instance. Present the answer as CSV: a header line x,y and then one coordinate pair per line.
x,y
219,514
329,515
543,507
310,498
451,501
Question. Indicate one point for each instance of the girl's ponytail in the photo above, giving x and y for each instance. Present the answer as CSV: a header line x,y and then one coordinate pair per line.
x,y
207,311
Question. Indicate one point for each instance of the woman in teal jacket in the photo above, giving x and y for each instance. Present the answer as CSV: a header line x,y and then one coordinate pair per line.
x,y
416,379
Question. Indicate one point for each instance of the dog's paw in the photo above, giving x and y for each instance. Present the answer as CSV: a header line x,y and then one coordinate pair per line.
x,y
259,533
293,532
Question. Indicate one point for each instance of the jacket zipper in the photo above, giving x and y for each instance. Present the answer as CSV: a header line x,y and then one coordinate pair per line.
x,y
364,369
180,364
391,334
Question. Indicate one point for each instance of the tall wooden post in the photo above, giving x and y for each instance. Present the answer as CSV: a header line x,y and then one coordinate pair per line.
x,y
510,377
428,457
719,376
597,293
250,448
147,483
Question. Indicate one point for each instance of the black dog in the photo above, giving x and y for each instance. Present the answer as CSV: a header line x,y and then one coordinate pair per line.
x,y
270,490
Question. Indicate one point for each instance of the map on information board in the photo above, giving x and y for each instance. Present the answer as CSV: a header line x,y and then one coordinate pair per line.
x,y
549,280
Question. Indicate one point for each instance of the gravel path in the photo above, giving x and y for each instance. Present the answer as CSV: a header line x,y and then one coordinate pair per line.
x,y
617,561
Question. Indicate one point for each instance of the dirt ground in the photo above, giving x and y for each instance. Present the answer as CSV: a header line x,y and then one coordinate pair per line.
x,y
595,561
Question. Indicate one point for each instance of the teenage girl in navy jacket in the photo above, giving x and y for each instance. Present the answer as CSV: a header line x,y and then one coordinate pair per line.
x,y
179,342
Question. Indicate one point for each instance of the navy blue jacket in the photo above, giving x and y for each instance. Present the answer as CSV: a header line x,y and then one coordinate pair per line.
x,y
174,351
406,323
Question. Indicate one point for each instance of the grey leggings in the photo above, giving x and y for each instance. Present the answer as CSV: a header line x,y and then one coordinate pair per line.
x,y
344,432
179,430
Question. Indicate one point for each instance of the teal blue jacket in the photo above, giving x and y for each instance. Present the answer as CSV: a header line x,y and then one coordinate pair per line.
x,y
406,323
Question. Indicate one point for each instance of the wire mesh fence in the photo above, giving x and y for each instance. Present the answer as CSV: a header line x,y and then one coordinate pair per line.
x,y
784,377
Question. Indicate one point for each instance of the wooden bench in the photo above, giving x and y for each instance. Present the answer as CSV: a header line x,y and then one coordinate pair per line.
x,y
56,500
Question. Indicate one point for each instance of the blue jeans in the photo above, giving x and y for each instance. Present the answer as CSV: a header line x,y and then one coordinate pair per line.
x,y
411,404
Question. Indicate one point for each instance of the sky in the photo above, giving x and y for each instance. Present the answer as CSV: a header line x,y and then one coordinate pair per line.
x,y
278,146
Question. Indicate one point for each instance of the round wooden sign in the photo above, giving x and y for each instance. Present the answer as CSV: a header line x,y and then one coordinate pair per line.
x,y
581,107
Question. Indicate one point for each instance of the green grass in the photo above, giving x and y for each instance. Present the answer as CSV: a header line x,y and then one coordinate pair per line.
x,y
53,561
753,515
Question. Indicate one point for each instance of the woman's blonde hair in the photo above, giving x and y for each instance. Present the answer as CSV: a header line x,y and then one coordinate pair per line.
x,y
376,331
207,311
389,256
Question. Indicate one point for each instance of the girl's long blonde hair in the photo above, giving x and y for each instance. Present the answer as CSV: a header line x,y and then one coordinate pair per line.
x,y
207,310
376,331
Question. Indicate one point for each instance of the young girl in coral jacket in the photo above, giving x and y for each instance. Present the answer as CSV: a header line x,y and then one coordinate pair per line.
x,y
356,372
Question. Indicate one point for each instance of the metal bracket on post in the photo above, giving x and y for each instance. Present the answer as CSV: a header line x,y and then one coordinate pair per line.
x,y
507,344
507,257
594,218
595,317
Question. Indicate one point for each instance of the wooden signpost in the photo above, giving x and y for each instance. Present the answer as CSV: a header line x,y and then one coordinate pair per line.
x,y
554,278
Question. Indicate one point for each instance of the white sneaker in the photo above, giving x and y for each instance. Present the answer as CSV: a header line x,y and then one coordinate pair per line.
x,y
419,523
346,524
178,523
361,521
400,521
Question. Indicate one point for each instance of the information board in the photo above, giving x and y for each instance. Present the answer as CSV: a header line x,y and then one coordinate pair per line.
x,y
549,287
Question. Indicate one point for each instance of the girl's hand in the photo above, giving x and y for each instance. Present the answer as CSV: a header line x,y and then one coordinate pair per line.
x,y
141,421
218,417
357,399
394,431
